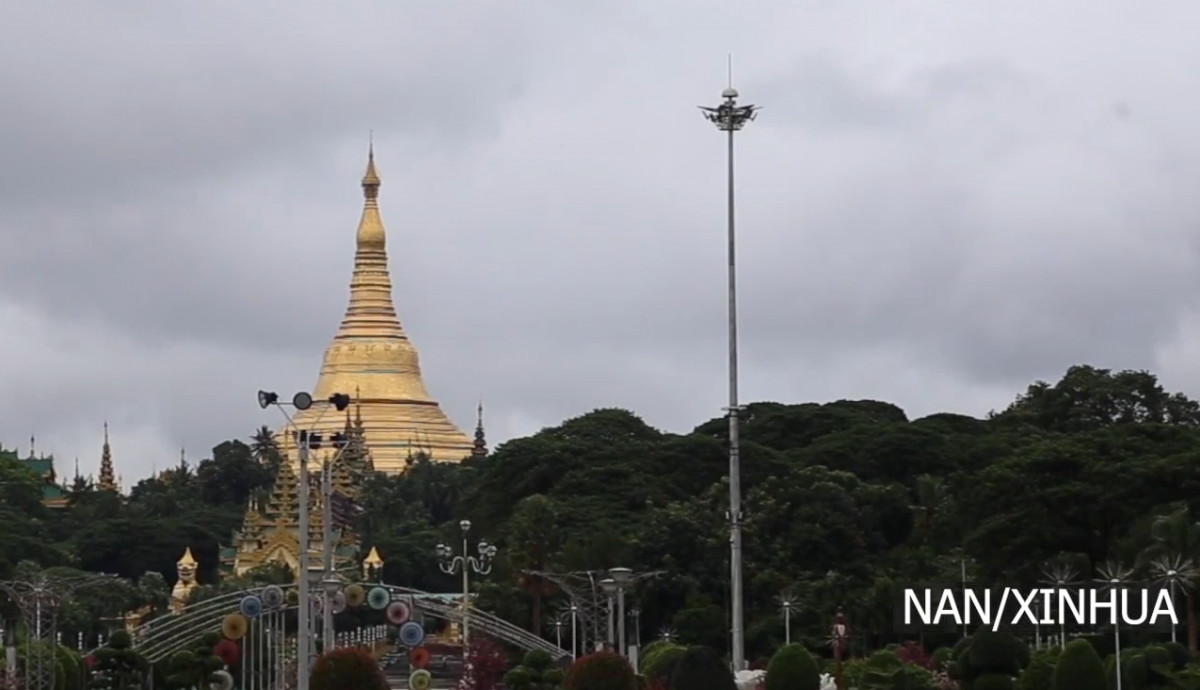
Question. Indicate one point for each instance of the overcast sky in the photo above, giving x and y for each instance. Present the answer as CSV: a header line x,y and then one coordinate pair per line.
x,y
941,202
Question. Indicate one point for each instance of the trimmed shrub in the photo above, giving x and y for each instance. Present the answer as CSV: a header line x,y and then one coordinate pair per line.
x,y
1079,668
995,681
651,649
538,660
701,669
517,678
660,665
793,668
1039,674
349,667
600,671
1179,654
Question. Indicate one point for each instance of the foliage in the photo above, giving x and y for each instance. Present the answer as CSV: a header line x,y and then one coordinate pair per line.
x,y
793,668
486,664
659,662
1039,674
1079,667
536,672
600,671
348,667
852,499
701,669
195,666
118,666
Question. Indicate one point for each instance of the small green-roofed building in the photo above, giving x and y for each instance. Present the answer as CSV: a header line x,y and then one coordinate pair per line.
x,y
53,494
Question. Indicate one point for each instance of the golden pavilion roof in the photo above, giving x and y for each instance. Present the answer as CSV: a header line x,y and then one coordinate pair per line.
x,y
372,359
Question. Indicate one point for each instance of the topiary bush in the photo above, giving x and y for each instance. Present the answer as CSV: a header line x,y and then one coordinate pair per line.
x,y
658,667
600,671
195,666
701,669
1180,656
118,666
793,668
536,672
345,668
1039,674
1079,668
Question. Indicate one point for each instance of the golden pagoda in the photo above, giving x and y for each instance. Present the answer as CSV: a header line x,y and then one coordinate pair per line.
x,y
270,530
108,480
372,359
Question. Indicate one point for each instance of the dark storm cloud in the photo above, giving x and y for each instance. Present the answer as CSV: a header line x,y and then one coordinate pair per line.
x,y
938,204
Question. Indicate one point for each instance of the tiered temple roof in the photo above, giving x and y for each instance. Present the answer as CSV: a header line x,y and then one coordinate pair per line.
x,y
270,530
54,495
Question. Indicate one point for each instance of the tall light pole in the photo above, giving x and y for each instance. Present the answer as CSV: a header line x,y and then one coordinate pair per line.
x,y
731,117
305,441
609,587
622,577
451,564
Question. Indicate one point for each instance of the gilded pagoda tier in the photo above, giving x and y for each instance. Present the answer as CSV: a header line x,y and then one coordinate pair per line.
x,y
372,360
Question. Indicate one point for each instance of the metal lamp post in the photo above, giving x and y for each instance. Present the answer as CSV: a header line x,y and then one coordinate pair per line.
x,y
1115,576
466,563
306,440
609,587
785,607
621,577
636,615
558,626
731,117
1059,575
574,627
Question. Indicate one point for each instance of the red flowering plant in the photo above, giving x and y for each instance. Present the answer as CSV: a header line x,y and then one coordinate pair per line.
x,y
913,653
485,666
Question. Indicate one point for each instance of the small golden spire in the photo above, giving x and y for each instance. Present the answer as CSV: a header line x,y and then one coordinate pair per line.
x,y
373,557
187,558
108,480
370,181
479,449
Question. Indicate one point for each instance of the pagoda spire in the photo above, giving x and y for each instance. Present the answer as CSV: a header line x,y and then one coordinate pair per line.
x,y
108,480
479,449
372,354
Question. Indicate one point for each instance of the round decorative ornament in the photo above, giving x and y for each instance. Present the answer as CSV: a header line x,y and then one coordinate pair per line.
x,y
251,606
355,595
339,602
397,613
272,596
420,680
234,626
378,597
412,634
222,680
228,652
293,597
419,657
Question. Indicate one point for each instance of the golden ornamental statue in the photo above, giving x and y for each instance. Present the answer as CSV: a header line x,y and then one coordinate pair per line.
x,y
186,570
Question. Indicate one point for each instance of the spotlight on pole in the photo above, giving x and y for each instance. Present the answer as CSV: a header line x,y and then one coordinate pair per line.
x,y
302,400
340,401
267,399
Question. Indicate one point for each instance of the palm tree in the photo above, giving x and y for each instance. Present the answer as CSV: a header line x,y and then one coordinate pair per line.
x,y
1175,540
264,447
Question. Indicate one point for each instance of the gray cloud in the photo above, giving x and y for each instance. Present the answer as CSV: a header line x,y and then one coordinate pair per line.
x,y
935,207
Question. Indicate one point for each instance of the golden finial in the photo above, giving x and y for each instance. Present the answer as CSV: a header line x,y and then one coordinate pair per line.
x,y
187,558
373,558
370,181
